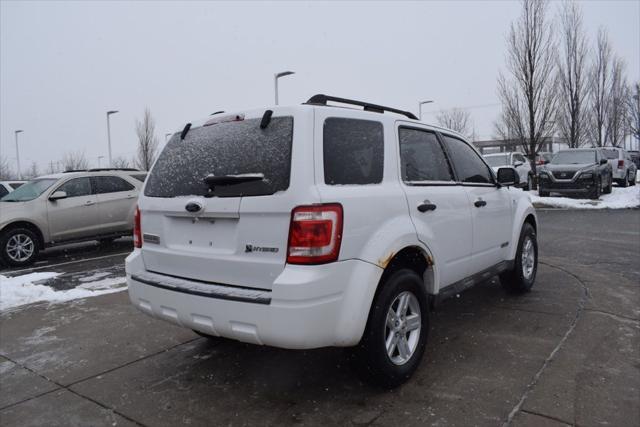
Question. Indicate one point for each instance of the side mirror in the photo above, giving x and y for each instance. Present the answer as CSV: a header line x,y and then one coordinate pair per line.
x,y
508,177
603,161
516,164
58,195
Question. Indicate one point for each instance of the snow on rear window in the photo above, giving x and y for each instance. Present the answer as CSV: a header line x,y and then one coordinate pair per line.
x,y
232,148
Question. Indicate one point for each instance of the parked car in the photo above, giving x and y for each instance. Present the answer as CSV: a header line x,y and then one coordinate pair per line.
x,y
314,226
515,160
543,158
635,157
576,171
623,167
7,187
65,207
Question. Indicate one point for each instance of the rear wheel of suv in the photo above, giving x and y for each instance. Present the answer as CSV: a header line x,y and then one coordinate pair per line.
x,y
521,278
625,181
19,247
632,180
396,333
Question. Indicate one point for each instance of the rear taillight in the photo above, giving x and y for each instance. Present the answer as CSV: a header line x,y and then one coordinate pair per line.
x,y
620,164
315,234
137,231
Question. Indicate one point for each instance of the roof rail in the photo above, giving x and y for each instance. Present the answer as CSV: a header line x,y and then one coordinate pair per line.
x,y
113,169
323,99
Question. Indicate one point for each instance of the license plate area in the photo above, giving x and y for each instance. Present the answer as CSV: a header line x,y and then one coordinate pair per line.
x,y
214,235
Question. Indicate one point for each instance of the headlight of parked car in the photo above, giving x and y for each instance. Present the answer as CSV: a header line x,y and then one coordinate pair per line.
x,y
586,175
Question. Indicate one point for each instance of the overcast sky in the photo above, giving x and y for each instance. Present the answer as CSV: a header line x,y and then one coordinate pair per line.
x,y
64,64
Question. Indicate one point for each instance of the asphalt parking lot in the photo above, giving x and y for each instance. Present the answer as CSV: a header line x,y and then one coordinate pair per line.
x,y
568,353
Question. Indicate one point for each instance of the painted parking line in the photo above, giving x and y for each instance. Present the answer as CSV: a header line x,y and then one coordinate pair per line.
x,y
49,266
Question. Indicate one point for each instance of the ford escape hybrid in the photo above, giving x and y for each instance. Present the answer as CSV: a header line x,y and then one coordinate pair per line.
x,y
314,225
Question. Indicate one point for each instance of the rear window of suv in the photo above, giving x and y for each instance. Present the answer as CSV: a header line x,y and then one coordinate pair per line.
x,y
610,154
230,148
353,151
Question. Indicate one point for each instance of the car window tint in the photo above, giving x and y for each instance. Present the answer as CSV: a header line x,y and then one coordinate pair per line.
x,y
3,191
610,153
111,184
15,185
140,176
468,164
353,151
422,157
76,187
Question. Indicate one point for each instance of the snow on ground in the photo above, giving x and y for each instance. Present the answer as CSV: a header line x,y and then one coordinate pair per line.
x,y
620,198
25,289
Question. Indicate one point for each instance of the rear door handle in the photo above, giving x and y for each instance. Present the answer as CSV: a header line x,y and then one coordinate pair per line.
x,y
426,206
480,203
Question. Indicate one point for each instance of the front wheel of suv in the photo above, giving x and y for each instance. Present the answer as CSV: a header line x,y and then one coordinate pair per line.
x,y
596,190
19,247
609,187
396,334
521,278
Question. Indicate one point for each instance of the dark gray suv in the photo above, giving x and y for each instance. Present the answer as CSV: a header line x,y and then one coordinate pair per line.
x,y
576,171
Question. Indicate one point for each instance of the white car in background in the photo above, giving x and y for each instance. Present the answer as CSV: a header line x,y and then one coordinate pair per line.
x,y
71,206
515,160
624,170
7,187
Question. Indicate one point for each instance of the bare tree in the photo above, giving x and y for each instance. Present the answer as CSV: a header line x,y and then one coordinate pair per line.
x,y
634,111
600,86
74,161
5,170
528,96
121,162
147,141
456,119
616,118
571,118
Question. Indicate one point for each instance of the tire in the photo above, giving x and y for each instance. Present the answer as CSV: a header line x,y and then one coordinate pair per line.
x,y
522,277
633,181
625,181
529,186
609,188
596,191
19,247
370,359
542,193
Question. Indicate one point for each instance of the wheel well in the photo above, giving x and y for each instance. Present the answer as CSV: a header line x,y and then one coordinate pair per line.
x,y
29,226
414,258
531,220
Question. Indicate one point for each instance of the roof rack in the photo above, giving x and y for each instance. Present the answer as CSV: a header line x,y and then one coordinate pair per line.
x,y
103,170
323,99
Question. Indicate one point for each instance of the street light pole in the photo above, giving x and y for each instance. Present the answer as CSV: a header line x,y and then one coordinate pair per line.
x,y
18,154
109,134
420,107
275,81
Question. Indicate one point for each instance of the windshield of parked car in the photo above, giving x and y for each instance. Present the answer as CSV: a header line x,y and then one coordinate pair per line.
x,y
228,155
497,160
574,157
29,191
611,154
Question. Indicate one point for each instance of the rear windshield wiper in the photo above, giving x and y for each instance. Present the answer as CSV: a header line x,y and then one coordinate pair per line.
x,y
212,180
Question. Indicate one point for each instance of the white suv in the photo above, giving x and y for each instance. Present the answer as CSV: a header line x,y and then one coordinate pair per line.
x,y
312,226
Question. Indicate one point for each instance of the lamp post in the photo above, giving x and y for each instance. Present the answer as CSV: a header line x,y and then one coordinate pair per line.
x,y
18,153
420,107
275,80
109,134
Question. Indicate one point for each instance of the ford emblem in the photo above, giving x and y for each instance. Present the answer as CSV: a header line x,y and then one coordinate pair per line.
x,y
193,207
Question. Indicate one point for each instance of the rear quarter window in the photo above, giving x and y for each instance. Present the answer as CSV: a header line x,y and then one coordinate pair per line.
x,y
353,151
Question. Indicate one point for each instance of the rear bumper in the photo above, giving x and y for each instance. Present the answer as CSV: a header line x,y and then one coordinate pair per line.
x,y
307,307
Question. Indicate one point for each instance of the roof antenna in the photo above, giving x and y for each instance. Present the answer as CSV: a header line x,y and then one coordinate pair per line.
x,y
266,119
185,131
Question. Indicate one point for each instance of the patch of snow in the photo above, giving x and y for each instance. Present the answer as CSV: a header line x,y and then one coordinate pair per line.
x,y
22,290
620,198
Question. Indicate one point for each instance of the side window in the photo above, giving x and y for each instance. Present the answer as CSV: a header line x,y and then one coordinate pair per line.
x,y
76,187
111,184
353,151
468,164
3,191
422,157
